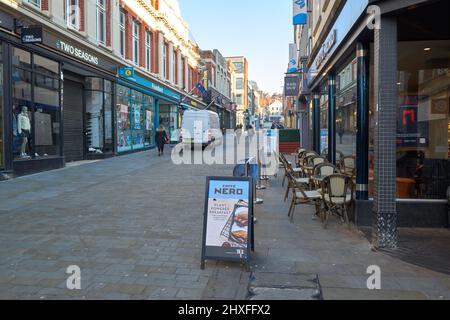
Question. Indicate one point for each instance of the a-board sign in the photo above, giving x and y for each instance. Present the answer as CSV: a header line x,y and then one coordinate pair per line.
x,y
228,220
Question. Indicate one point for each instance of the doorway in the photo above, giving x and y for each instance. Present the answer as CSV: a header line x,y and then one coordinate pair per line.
x,y
73,121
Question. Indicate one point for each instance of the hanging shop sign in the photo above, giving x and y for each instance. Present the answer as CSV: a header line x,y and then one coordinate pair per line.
x,y
300,12
31,34
127,73
291,86
228,220
293,65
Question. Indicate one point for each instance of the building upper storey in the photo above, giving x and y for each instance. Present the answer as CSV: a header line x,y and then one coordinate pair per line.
x,y
150,35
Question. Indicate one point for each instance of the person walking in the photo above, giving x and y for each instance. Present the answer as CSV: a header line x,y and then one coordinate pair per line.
x,y
161,139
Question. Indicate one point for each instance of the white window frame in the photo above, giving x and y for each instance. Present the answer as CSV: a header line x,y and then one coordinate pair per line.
x,y
35,3
123,34
75,10
148,50
164,60
101,11
174,65
135,42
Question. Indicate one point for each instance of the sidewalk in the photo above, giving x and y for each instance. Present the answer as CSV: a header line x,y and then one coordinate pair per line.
x,y
134,226
339,256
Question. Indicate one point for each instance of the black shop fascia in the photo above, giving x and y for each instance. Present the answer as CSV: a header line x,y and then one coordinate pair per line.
x,y
56,101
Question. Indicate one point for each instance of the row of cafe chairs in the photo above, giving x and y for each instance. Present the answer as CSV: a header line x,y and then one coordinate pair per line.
x,y
346,164
317,182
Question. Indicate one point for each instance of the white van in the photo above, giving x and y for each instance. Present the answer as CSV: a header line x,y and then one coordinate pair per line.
x,y
200,127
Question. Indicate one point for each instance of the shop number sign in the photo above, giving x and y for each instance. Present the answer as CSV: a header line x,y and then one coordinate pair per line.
x,y
228,220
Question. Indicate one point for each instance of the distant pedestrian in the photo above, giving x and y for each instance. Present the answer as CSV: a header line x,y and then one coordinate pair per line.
x,y
161,139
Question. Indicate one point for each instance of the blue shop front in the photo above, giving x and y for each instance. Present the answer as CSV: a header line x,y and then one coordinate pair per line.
x,y
141,106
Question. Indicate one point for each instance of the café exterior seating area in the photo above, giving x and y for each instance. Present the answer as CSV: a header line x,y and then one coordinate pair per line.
x,y
313,180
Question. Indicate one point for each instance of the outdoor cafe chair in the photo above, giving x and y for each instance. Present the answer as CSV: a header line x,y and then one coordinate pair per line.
x,y
303,196
348,166
338,196
322,171
293,180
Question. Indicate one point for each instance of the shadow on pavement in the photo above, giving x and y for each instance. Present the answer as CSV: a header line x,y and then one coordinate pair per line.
x,y
426,248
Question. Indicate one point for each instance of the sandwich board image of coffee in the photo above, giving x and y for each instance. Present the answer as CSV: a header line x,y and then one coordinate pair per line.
x,y
228,220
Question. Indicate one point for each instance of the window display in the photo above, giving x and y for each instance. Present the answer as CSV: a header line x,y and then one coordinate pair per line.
x,y
98,116
36,106
135,123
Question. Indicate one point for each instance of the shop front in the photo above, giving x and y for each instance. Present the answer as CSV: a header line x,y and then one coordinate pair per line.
x,y
407,128
55,102
141,106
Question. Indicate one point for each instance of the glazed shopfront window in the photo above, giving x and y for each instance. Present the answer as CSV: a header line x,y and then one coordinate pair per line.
x,y
346,121
36,106
135,120
98,116
168,117
324,120
423,126
423,166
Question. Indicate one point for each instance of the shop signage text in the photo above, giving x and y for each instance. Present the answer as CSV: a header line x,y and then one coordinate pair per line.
x,y
326,48
127,73
228,220
77,52
32,34
291,86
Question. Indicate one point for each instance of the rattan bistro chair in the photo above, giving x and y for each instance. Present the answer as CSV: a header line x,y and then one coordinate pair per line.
x,y
294,180
302,196
348,166
338,196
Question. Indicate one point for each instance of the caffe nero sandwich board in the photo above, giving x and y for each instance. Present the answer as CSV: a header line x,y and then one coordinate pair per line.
x,y
228,220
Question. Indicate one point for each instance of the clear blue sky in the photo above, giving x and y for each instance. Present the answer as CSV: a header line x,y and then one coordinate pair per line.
x,y
261,30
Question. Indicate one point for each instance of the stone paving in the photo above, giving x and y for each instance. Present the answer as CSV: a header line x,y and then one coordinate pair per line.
x,y
133,224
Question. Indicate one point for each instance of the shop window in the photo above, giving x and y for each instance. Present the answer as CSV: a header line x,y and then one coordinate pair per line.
x,y
22,114
46,66
46,116
94,121
423,166
135,120
346,121
36,107
423,126
21,58
124,142
98,116
324,119
168,117
149,121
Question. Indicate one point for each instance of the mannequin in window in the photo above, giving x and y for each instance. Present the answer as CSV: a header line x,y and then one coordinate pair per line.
x,y
23,129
